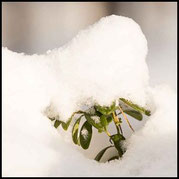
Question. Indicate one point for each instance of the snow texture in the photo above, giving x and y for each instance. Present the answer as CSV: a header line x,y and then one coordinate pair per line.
x,y
102,63
96,119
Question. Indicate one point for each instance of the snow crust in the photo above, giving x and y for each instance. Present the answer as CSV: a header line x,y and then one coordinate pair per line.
x,y
102,63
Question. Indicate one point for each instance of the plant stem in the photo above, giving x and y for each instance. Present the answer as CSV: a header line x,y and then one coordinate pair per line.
x,y
121,129
107,132
126,118
116,120
117,129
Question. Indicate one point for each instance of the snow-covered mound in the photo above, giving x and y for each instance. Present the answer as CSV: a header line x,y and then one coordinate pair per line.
x,y
102,63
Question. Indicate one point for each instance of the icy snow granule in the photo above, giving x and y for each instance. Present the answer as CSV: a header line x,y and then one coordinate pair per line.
x,y
102,63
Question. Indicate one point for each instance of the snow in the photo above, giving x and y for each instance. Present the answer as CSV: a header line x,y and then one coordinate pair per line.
x,y
102,63
84,132
96,119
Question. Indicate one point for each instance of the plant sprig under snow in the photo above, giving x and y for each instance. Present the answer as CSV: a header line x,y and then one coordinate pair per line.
x,y
101,64
100,118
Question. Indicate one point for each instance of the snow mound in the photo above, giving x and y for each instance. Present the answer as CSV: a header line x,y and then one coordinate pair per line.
x,y
102,63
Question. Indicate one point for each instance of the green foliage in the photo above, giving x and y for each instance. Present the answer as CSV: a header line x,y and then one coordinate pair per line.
x,y
100,154
75,130
117,143
66,125
100,117
85,135
105,110
136,107
57,123
114,158
52,118
135,114
104,121
98,125
109,119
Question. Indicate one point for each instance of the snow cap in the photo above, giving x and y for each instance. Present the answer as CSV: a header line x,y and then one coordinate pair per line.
x,y
102,63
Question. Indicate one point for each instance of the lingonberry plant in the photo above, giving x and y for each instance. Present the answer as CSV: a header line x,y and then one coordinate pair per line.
x,y
100,117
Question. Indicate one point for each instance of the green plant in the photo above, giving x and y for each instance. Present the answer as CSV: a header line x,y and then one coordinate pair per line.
x,y
99,117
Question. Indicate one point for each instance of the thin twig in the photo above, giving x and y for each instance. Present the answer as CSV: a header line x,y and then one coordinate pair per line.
x,y
119,125
116,120
107,132
120,129
117,129
126,118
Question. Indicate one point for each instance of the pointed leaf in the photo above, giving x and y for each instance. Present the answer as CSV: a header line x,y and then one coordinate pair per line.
x,y
66,125
135,114
105,110
57,123
100,154
136,107
113,158
75,130
85,135
101,109
52,118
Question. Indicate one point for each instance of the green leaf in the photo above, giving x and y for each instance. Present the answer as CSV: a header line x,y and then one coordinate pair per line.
x,y
97,113
117,138
85,135
52,118
66,125
99,126
103,120
135,114
113,158
75,130
100,154
100,130
136,107
57,123
102,110
109,119
105,110
113,107
78,141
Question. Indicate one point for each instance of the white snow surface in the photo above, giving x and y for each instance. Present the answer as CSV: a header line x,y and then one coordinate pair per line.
x,y
102,63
